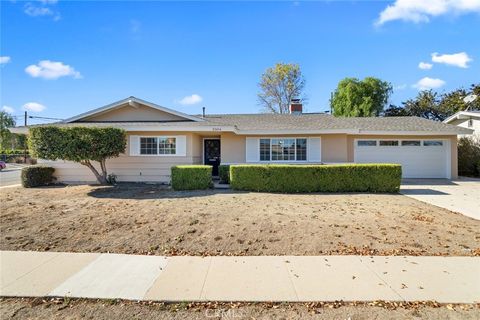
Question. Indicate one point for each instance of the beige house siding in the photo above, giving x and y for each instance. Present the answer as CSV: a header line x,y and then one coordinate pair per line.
x,y
232,148
129,113
334,148
133,168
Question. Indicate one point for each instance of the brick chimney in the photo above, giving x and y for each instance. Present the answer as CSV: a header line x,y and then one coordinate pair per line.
x,y
296,106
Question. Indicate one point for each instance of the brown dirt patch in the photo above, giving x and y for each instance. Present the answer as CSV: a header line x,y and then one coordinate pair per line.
x,y
148,219
95,309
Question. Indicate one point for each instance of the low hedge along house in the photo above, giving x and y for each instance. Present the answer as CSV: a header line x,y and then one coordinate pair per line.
x,y
159,138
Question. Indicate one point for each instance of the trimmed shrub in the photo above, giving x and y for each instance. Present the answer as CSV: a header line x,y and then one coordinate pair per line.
x,y
317,178
224,173
191,177
36,176
468,157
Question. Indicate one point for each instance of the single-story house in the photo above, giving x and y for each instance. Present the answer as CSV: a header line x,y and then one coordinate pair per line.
x,y
159,138
466,119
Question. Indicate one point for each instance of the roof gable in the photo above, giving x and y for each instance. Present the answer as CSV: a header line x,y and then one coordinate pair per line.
x,y
463,115
132,109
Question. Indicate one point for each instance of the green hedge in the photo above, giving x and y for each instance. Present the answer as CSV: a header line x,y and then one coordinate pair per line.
x,y
316,178
35,176
224,173
12,151
191,177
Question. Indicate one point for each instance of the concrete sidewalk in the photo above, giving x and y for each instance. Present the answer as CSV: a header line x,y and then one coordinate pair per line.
x,y
255,278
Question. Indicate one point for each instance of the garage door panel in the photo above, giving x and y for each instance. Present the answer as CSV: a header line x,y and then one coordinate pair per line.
x,y
417,161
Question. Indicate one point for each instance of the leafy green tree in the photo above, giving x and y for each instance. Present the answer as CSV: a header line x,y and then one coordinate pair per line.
x,y
431,105
395,111
360,98
78,144
279,85
6,121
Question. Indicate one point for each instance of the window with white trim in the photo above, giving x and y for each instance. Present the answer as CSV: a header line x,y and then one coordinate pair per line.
x,y
408,143
432,143
148,145
283,149
388,143
158,145
366,143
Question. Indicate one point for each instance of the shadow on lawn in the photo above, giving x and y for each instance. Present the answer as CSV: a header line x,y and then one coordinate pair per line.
x,y
142,191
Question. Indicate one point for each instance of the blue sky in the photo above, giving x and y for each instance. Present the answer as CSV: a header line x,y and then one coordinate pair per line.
x,y
100,52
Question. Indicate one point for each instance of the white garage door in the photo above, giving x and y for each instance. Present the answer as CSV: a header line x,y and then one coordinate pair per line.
x,y
419,158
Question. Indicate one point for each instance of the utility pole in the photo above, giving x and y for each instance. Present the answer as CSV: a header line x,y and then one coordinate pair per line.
x,y
25,144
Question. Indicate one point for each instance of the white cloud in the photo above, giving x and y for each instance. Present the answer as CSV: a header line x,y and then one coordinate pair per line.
x,y
425,65
52,70
42,9
422,10
193,99
8,109
34,106
5,59
400,87
460,59
429,83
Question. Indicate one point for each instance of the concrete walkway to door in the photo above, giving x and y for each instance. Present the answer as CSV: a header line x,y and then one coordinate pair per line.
x,y
253,278
462,195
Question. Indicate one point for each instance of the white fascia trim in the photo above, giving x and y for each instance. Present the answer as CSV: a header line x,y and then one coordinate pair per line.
x,y
297,132
135,100
409,133
180,128
462,115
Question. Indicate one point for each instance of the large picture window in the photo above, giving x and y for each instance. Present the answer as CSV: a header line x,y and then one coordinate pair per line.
x,y
283,149
158,145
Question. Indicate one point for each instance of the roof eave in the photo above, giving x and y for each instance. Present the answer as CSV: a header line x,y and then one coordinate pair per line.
x,y
126,100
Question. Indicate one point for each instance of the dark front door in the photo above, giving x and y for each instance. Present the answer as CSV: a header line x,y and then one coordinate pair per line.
x,y
211,154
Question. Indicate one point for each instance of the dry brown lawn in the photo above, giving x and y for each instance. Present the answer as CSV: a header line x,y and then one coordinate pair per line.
x,y
91,309
149,219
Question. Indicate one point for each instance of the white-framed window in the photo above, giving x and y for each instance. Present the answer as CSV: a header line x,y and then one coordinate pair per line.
x,y
411,143
388,143
433,143
148,145
158,146
283,149
367,143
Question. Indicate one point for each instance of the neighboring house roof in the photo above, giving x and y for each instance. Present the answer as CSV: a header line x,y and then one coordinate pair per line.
x,y
463,115
132,101
263,123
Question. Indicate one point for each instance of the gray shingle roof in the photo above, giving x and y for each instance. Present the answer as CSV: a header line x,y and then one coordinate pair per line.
x,y
318,121
250,123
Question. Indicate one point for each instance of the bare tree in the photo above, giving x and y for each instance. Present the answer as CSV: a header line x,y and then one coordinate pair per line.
x,y
279,85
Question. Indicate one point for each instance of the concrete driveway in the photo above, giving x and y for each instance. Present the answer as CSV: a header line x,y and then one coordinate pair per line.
x,y
10,176
462,195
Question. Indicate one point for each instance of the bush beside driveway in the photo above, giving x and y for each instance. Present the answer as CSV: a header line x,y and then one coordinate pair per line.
x,y
148,219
